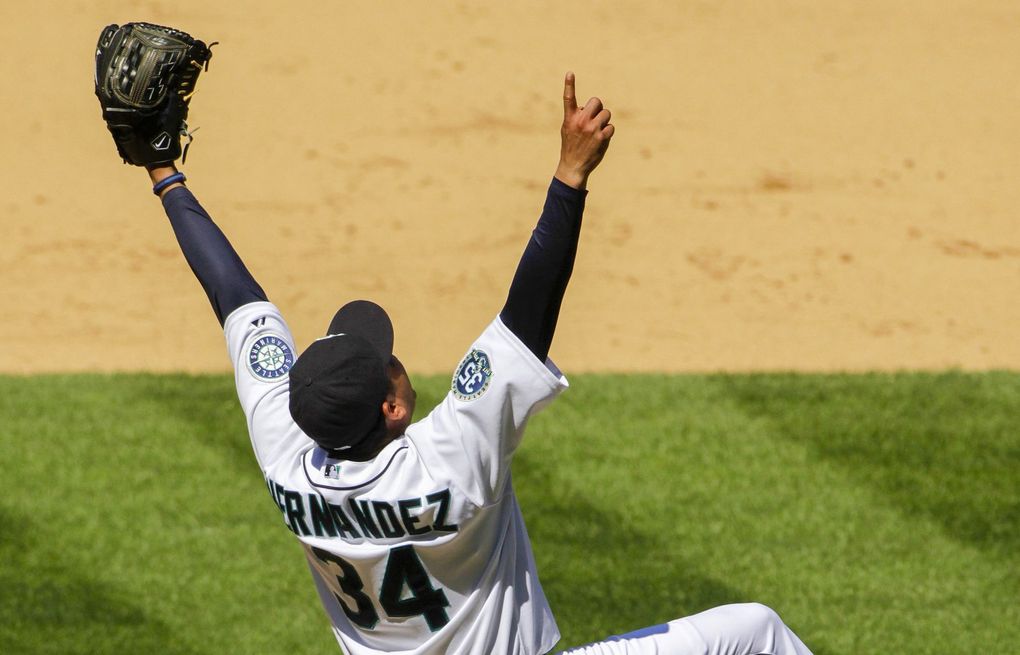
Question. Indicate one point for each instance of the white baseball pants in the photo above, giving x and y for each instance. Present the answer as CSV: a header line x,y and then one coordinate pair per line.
x,y
745,629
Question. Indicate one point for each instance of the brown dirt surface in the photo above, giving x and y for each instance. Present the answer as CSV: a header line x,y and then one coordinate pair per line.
x,y
793,185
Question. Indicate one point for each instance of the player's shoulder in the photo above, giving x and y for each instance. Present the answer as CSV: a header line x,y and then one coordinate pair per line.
x,y
497,365
252,316
258,335
498,355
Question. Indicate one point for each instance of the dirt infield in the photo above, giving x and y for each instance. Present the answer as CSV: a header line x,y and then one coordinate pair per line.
x,y
790,187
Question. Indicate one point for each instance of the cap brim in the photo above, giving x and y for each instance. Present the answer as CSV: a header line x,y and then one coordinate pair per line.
x,y
367,320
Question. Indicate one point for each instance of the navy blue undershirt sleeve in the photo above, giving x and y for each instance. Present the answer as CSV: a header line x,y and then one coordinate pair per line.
x,y
213,260
533,303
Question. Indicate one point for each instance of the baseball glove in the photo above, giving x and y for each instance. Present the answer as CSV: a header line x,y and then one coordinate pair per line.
x,y
145,76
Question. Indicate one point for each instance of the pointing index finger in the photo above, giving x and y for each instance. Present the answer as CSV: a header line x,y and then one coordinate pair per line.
x,y
569,99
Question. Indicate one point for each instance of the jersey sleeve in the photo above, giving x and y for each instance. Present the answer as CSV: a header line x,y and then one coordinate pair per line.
x,y
262,350
473,433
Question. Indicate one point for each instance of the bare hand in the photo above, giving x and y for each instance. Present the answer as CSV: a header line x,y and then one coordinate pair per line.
x,y
584,137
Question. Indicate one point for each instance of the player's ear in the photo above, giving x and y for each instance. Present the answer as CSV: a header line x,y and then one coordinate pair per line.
x,y
393,411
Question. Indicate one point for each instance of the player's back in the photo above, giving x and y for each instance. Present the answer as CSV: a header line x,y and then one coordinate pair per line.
x,y
404,560
423,549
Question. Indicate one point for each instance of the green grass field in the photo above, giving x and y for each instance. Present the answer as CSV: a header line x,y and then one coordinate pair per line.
x,y
877,513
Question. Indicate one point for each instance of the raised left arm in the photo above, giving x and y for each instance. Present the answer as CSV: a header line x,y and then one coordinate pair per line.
x,y
212,259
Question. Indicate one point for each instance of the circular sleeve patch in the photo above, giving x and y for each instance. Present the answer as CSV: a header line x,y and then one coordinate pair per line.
x,y
473,376
270,357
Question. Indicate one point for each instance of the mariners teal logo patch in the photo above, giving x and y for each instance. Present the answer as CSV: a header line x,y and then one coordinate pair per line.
x,y
270,357
473,376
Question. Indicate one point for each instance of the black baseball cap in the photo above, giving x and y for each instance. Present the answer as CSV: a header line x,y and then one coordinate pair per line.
x,y
339,383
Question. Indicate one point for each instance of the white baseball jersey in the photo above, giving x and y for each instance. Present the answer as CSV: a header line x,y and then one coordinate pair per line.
x,y
422,550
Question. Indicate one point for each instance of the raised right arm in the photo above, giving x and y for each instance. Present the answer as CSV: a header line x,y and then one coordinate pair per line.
x,y
533,302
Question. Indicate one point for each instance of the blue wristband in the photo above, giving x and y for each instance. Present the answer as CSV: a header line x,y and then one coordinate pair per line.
x,y
158,187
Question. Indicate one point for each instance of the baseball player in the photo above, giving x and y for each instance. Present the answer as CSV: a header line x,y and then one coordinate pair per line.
x,y
412,532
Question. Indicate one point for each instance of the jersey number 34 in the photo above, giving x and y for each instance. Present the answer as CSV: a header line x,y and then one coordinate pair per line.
x,y
403,569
